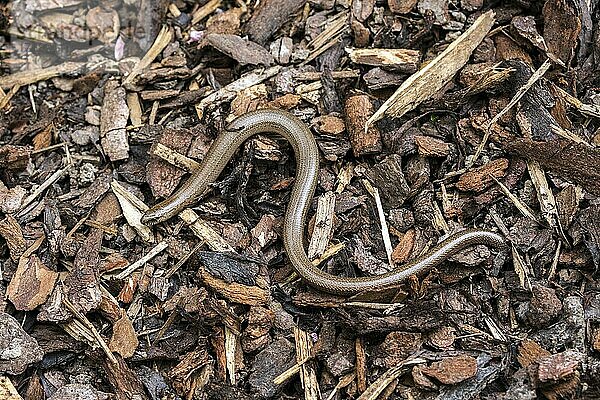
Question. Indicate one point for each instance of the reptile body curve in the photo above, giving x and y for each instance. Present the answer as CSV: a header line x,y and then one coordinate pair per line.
x,y
307,159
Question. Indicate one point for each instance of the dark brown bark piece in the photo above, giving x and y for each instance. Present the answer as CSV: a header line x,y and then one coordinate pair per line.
x,y
388,177
35,389
124,381
235,279
162,176
182,375
360,33
361,364
558,366
358,109
82,283
479,179
269,16
530,352
561,28
544,306
243,51
401,6
154,75
341,356
153,95
256,335
11,231
452,370
95,191
32,284
421,380
525,27
507,49
573,161
567,202
85,84
268,364
589,220
378,78
14,157
396,347
431,147
185,98
217,341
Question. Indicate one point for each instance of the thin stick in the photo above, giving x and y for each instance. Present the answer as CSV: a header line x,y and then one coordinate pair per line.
x,y
385,233
520,93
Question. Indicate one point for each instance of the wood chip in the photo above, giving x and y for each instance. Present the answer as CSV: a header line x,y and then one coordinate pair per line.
x,y
396,347
331,125
163,172
530,352
268,365
236,292
322,231
403,249
31,284
7,390
562,25
25,78
124,338
401,6
151,95
567,202
378,78
545,196
308,374
163,38
229,92
401,60
243,51
123,379
204,11
435,75
558,366
256,335
361,365
113,120
14,157
11,231
431,147
480,178
357,110
133,209
19,349
381,383
362,9
452,370
269,16
575,162
157,249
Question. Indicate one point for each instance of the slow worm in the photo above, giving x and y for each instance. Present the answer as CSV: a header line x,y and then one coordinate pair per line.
x,y
307,158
